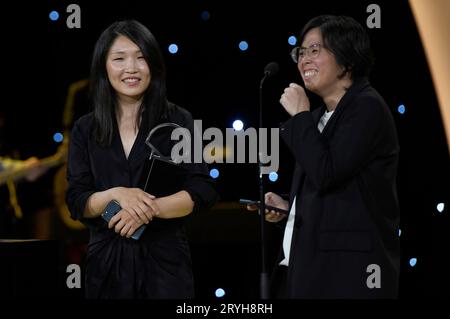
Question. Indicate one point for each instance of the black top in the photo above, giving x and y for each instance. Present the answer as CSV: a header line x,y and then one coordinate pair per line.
x,y
158,265
347,213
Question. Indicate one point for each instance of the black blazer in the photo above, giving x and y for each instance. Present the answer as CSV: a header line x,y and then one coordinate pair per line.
x,y
347,213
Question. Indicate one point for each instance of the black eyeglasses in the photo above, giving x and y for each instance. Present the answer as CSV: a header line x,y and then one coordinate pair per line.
x,y
298,53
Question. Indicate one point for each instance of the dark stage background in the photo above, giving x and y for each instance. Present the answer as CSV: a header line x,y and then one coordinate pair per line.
x,y
219,83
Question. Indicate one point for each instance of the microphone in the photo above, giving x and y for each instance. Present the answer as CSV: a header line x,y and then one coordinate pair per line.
x,y
271,69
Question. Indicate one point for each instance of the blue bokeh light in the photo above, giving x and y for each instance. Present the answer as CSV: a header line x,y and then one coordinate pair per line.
x,y
173,48
273,176
292,40
214,173
243,45
220,292
54,15
206,15
58,137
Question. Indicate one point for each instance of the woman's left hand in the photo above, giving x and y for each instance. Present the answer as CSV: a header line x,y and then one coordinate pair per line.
x,y
294,99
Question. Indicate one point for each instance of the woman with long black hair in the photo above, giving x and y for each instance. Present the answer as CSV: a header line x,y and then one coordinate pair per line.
x,y
107,155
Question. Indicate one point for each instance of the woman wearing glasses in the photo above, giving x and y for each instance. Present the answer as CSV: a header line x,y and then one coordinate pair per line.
x,y
107,156
340,238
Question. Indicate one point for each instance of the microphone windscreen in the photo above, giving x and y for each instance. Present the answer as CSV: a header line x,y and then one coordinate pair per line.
x,y
271,69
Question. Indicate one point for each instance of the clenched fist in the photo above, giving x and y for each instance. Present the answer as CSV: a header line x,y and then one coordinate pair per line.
x,y
294,99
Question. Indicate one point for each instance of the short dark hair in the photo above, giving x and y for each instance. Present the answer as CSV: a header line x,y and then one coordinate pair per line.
x,y
103,95
347,40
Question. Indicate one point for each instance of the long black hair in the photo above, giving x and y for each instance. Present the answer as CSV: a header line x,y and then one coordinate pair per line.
x,y
347,40
102,94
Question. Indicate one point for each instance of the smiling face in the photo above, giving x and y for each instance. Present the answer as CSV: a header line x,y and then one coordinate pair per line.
x,y
128,71
320,73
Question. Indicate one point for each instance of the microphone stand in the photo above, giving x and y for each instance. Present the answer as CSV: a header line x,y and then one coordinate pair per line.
x,y
264,276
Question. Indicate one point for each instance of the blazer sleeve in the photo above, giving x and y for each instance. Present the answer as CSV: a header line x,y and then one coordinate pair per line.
x,y
329,163
79,175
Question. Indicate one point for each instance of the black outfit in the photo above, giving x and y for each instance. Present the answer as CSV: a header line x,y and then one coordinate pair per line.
x,y
158,265
347,213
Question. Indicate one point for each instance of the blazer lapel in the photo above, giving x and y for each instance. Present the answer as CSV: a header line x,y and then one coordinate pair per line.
x,y
299,174
358,85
